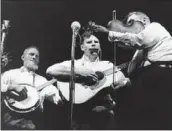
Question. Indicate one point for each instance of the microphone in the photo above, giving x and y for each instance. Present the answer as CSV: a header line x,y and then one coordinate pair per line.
x,y
75,27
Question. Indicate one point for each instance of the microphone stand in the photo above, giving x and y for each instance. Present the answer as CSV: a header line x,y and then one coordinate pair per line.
x,y
72,79
114,62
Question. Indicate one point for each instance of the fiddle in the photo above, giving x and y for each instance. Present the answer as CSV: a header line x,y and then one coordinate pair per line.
x,y
118,26
131,27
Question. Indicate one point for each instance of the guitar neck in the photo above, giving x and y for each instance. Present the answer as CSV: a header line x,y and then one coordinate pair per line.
x,y
117,68
123,66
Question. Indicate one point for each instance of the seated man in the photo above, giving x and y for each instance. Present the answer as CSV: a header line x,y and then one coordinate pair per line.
x,y
15,81
97,112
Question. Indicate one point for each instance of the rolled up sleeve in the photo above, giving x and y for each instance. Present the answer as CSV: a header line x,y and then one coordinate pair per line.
x,y
5,81
128,39
147,38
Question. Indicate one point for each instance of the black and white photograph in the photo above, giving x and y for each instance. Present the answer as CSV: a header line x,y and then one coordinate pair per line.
x,y
86,65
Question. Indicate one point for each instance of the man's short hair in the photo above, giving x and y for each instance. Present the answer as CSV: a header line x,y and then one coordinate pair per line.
x,y
86,34
29,47
142,17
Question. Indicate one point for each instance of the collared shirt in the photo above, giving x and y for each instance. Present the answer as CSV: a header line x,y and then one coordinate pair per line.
x,y
97,65
23,76
155,38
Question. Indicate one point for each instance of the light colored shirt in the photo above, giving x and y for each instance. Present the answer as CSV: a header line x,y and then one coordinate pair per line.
x,y
97,65
23,76
155,38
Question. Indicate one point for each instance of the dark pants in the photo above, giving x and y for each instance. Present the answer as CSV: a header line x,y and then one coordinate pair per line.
x,y
151,98
96,113
27,121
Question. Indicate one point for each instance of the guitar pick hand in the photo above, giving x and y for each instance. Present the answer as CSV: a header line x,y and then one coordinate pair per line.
x,y
86,76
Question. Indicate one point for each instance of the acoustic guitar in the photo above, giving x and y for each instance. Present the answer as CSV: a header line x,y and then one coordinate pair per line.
x,y
84,92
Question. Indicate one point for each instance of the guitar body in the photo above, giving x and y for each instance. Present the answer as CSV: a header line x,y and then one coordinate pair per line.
x,y
27,105
84,93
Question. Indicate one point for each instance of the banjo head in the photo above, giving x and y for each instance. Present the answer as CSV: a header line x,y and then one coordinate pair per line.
x,y
26,105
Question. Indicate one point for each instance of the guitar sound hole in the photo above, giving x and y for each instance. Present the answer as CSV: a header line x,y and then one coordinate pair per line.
x,y
90,81
100,75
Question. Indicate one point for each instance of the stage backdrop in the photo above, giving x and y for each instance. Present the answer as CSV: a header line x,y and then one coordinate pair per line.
x,y
46,24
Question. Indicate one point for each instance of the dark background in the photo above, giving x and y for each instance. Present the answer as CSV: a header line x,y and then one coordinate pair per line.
x,y
46,24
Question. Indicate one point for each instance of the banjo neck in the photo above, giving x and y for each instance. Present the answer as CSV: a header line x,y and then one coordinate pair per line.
x,y
39,88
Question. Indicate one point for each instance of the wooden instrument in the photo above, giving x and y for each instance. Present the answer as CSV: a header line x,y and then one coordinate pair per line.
x,y
30,103
84,93
119,26
132,27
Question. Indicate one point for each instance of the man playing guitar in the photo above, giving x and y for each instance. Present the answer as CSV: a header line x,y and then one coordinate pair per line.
x,y
96,112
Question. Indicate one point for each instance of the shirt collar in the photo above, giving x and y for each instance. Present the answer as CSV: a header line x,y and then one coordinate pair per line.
x,y
24,69
86,59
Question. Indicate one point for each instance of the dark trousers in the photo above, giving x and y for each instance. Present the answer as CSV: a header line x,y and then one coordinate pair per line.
x,y
24,121
85,116
151,98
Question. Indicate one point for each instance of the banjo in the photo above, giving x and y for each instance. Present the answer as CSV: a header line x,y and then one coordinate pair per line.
x,y
28,104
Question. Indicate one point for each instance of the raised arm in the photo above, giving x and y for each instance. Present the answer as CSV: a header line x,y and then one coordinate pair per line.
x,y
147,38
62,72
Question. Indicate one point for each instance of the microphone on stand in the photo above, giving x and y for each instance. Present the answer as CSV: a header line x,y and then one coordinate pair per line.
x,y
75,27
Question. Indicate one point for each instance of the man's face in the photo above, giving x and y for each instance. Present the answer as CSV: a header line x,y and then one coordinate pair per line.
x,y
31,59
91,46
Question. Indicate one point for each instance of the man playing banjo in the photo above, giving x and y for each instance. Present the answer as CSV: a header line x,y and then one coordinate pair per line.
x,y
16,81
